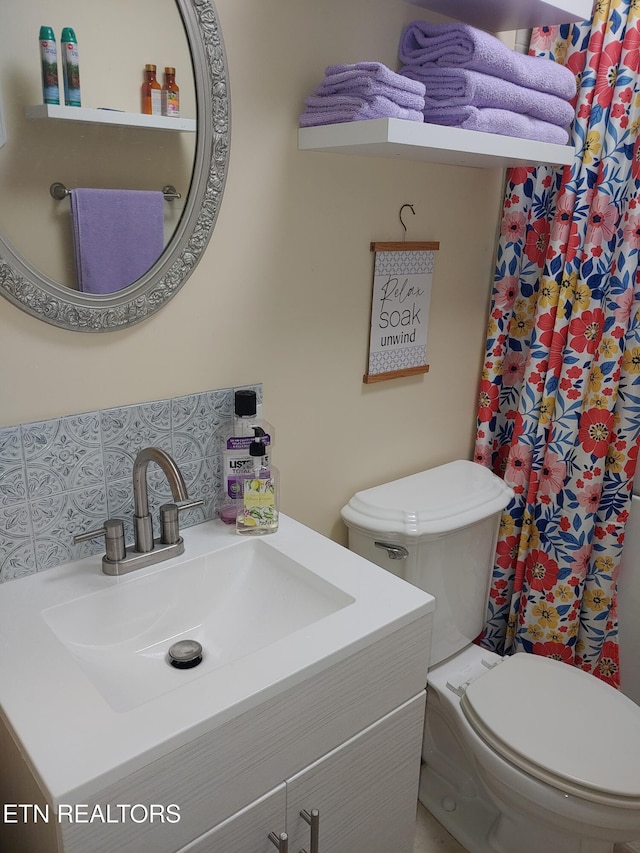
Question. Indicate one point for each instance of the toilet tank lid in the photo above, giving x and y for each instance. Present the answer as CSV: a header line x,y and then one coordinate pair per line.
x,y
432,502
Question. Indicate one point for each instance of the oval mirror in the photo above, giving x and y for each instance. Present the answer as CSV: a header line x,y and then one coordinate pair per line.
x,y
48,151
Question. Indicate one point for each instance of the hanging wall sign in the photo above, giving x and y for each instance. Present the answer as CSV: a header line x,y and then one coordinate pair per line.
x,y
400,310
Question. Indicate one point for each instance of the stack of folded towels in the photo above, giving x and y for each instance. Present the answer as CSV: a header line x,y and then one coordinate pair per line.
x,y
361,91
476,82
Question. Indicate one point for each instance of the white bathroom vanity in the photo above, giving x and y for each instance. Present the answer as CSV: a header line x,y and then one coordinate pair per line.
x,y
310,696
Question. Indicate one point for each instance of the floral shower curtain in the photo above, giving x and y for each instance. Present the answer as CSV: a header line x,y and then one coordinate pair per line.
x,y
559,404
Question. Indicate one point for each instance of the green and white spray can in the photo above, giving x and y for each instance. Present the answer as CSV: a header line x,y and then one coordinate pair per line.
x,y
70,68
49,64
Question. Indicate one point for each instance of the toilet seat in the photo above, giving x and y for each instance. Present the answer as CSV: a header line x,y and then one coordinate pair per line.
x,y
533,711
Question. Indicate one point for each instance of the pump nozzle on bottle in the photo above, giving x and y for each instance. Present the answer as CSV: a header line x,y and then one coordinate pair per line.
x,y
257,452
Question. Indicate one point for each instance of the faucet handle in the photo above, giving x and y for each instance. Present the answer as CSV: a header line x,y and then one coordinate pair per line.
x,y
189,504
113,532
169,524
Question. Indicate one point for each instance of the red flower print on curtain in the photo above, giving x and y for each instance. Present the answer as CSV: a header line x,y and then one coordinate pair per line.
x,y
559,404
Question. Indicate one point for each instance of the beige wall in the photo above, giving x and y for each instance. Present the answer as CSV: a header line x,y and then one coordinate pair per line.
x,y
282,294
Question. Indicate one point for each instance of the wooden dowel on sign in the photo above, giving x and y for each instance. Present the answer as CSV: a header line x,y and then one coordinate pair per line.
x,y
405,247
368,378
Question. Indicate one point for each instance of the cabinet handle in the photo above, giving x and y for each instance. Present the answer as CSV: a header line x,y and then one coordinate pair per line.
x,y
313,820
281,841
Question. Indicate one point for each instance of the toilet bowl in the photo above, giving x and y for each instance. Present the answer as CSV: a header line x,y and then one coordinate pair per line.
x,y
520,754
501,781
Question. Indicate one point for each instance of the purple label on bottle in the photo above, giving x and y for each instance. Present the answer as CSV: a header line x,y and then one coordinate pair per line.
x,y
234,487
242,442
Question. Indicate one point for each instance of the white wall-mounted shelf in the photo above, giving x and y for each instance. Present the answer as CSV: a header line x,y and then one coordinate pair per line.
x,y
113,117
412,140
504,15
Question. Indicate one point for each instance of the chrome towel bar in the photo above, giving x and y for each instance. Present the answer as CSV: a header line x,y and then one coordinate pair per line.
x,y
59,192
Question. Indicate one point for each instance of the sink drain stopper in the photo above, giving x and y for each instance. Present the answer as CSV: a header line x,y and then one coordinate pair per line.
x,y
185,654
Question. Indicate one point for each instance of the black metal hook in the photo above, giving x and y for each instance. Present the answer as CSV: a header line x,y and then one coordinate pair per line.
x,y
410,206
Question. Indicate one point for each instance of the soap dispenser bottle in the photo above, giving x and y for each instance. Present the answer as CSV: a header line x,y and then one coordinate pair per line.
x,y
258,510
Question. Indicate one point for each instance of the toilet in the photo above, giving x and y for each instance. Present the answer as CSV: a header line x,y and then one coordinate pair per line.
x,y
522,753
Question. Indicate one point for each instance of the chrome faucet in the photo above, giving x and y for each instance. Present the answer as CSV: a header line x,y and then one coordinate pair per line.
x,y
146,550
143,529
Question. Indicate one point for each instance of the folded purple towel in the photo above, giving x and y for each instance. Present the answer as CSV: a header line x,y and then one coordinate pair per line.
x,y
375,71
462,46
503,122
378,103
361,109
451,87
367,87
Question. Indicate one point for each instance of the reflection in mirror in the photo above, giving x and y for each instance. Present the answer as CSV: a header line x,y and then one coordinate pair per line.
x,y
107,144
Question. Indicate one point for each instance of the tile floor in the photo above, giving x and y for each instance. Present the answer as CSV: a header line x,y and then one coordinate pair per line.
x,y
432,837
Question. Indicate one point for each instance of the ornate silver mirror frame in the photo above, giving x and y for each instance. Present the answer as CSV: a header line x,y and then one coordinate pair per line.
x,y
42,297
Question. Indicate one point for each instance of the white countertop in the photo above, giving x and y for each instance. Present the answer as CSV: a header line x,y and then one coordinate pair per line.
x,y
77,743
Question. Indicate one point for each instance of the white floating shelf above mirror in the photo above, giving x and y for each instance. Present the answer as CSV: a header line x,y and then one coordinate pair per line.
x,y
114,117
505,15
412,140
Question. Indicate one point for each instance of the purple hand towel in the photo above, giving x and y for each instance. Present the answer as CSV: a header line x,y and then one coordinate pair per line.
x,y
117,236
359,109
335,74
503,122
452,87
377,106
463,46
367,87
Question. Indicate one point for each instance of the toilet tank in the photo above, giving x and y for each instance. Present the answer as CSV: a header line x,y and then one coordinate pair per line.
x,y
437,530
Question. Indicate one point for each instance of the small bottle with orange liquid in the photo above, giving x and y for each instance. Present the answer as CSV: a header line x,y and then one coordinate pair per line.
x,y
151,92
170,94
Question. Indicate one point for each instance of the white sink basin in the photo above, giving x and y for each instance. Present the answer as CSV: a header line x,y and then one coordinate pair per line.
x,y
234,601
85,685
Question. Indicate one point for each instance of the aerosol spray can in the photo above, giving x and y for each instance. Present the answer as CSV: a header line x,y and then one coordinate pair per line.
x,y
49,64
70,68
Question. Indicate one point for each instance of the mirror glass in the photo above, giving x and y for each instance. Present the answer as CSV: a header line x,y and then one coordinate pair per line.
x,y
108,144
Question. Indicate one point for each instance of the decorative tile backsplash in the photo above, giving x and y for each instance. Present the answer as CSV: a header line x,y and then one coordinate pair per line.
x,y
67,475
